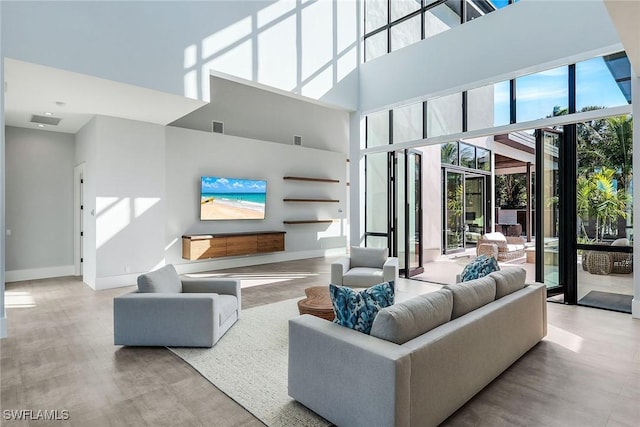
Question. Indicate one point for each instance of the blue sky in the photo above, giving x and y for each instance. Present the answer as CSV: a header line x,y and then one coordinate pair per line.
x,y
538,93
499,3
212,184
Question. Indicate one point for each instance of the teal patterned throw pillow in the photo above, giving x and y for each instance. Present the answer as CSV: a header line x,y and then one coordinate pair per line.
x,y
479,267
357,309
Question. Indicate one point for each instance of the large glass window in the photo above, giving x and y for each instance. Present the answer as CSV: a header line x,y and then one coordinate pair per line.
x,y
407,123
501,103
378,129
376,194
467,156
444,115
541,95
405,19
375,14
442,17
449,153
401,8
484,159
478,115
603,82
478,8
406,33
375,45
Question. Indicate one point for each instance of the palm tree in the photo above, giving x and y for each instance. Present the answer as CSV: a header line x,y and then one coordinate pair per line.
x,y
607,202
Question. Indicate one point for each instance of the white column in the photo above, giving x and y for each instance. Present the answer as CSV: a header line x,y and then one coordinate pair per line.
x,y
635,96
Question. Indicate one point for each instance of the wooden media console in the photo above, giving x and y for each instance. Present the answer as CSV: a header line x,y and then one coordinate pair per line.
x,y
205,246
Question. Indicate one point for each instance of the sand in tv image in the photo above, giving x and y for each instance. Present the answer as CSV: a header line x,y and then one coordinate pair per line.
x,y
231,198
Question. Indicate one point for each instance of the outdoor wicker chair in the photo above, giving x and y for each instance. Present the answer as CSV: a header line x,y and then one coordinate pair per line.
x,y
509,248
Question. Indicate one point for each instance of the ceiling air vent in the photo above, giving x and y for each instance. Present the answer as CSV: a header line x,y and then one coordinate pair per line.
x,y
217,127
297,140
45,120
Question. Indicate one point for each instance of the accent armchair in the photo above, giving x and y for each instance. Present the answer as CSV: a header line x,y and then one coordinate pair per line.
x,y
365,267
169,311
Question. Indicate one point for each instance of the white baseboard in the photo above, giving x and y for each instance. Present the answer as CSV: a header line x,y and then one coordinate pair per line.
x,y
38,273
124,280
3,327
635,307
199,266
120,281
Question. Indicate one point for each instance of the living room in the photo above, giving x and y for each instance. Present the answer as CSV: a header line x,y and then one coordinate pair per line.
x,y
269,72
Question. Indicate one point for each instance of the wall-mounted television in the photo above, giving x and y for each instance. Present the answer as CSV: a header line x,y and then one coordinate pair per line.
x,y
232,198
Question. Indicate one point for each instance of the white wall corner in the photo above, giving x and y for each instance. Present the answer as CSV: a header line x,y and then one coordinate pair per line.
x,y
39,273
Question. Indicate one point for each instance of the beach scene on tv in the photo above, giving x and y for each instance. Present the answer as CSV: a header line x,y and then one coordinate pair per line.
x,y
231,198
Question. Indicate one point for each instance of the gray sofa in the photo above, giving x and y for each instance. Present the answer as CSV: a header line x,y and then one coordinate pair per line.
x,y
364,267
425,357
174,312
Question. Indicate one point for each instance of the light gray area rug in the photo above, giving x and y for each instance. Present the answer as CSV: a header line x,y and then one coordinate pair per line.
x,y
249,364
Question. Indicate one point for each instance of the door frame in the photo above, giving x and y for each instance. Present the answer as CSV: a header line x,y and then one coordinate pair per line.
x,y
79,197
393,203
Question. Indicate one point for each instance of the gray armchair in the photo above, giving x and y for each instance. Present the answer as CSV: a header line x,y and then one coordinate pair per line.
x,y
365,267
169,311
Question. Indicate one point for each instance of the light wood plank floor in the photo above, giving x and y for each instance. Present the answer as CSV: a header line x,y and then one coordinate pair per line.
x,y
60,355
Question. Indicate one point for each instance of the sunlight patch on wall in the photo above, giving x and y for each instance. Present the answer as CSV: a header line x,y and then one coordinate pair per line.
x,y
173,242
191,56
317,38
143,204
320,84
111,218
347,34
191,84
347,62
226,38
278,68
275,11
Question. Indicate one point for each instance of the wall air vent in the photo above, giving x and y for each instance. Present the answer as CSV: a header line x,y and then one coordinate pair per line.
x,y
217,127
45,120
297,140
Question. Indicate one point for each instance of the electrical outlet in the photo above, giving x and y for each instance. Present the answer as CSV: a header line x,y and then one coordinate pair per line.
x,y
8,232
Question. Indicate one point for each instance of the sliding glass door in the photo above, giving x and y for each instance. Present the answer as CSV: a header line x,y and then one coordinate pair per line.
x,y
453,211
548,254
407,218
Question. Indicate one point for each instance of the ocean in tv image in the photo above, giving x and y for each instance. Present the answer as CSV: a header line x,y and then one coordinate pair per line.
x,y
232,198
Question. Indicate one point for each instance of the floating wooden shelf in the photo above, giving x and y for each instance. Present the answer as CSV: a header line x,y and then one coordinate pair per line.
x,y
311,200
308,221
306,178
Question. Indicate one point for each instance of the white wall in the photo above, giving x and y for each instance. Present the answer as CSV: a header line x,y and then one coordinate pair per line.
x,y
259,113
308,48
130,199
39,197
191,154
525,37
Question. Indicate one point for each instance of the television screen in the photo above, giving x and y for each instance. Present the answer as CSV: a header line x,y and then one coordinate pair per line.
x,y
232,198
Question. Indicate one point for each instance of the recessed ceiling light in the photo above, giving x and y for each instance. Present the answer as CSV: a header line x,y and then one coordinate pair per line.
x,y
48,113
40,125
